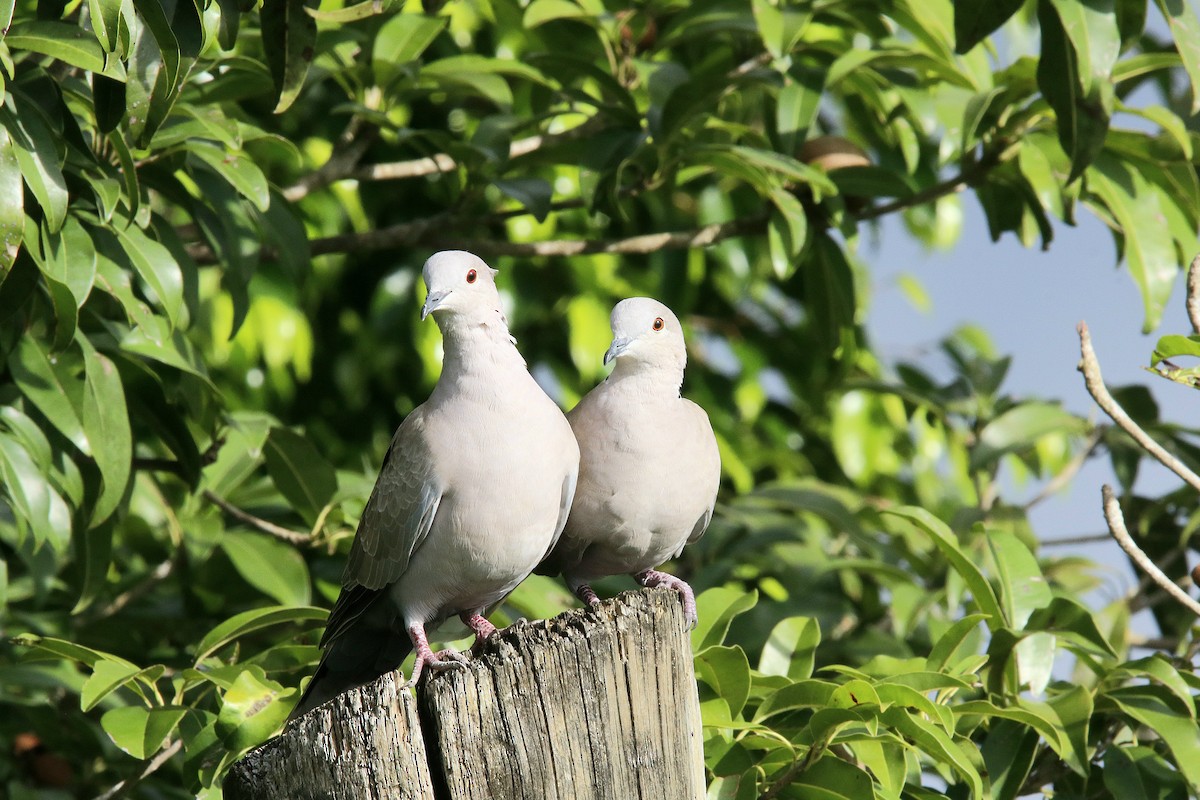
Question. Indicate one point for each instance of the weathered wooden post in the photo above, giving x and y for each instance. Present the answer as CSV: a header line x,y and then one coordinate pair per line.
x,y
590,704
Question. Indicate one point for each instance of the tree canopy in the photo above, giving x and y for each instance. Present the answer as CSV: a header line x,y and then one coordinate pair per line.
x,y
212,221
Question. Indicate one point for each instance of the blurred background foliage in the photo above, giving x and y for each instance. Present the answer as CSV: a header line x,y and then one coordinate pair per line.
x,y
212,219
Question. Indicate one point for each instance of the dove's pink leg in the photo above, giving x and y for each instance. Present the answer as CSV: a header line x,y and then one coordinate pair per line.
x,y
476,622
438,662
587,595
651,578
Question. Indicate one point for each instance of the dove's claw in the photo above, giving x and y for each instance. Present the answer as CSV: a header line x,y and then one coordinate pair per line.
x,y
587,595
651,578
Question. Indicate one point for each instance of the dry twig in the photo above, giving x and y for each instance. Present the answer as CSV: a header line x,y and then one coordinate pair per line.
x,y
1193,294
1090,367
278,531
1116,526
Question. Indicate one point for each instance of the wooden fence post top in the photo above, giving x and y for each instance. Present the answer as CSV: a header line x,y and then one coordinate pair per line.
x,y
594,703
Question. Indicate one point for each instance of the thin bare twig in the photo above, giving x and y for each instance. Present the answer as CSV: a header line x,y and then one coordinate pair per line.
x,y
1092,538
1090,367
956,183
1193,294
122,787
279,532
1069,472
1116,526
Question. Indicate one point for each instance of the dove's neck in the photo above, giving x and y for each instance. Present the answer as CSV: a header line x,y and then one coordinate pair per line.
x,y
659,380
477,348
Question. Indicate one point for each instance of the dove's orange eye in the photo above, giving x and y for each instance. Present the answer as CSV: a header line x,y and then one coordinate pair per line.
x,y
471,276
658,324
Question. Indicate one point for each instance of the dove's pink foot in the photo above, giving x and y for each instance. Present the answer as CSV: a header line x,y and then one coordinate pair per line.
x,y
438,662
587,595
651,578
477,623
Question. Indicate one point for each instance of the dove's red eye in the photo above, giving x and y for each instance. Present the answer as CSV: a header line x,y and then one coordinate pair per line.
x,y
658,324
471,276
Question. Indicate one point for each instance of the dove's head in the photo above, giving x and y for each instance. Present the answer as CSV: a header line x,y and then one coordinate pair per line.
x,y
646,334
460,285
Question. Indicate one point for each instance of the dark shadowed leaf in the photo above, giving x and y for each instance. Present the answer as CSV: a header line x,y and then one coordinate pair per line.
x,y
975,20
289,35
300,472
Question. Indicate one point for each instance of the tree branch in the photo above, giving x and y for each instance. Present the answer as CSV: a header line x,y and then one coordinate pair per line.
x,y
1069,472
1116,526
279,532
1092,378
1092,538
1193,294
966,177
162,757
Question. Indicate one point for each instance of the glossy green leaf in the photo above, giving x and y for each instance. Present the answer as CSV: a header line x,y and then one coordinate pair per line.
x,y
1019,429
533,193
403,38
269,565
716,609
1148,250
938,744
237,169
157,267
791,648
12,201
106,424
1073,709
141,732
1175,345
68,257
1092,31
32,498
250,621
289,37
831,778
66,42
251,710
47,381
1082,105
1139,773
105,16
728,672
1008,752
798,695
62,649
1154,707
351,13
975,20
539,12
1072,621
36,150
1183,17
107,676
947,543
300,472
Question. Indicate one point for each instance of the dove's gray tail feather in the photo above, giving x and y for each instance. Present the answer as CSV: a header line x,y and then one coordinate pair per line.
x,y
354,659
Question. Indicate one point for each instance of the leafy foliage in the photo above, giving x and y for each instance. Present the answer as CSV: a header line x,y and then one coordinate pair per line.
x,y
211,219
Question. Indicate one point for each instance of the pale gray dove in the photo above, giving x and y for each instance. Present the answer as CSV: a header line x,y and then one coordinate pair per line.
x,y
649,467
473,493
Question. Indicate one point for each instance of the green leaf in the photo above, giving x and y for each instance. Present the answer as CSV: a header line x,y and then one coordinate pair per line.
x,y
402,39
106,423
938,744
251,711
62,649
975,20
235,168
791,648
32,498
141,732
1092,30
1157,709
289,36
802,694
1073,622
269,565
796,106
539,12
50,384
1148,248
945,540
1019,428
96,546
1183,17
780,26
716,608
1082,104
253,620
727,670
533,193
1008,752
1174,345
1073,709
831,778
1139,773
105,16
69,258
12,201
107,676
351,13
156,266
68,43
300,472
36,149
